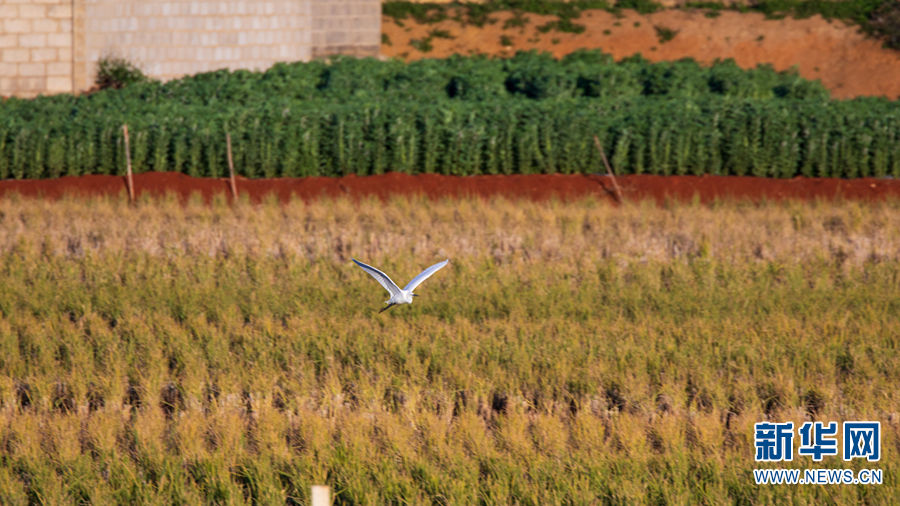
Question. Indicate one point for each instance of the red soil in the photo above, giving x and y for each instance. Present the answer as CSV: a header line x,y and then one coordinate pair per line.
x,y
537,187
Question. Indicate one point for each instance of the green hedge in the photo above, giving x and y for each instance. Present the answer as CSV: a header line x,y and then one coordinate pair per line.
x,y
585,73
659,135
463,115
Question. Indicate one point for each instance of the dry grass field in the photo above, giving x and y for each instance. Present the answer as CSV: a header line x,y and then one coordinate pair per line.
x,y
572,352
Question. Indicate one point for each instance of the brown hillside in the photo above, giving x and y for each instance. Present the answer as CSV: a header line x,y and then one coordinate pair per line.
x,y
847,62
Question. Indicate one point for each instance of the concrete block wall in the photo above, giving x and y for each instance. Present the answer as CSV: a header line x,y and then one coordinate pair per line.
x,y
52,46
345,27
35,47
168,39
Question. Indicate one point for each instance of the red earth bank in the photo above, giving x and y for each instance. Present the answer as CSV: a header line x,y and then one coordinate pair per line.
x,y
535,187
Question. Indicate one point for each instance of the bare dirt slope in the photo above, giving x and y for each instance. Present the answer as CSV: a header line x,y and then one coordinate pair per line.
x,y
847,62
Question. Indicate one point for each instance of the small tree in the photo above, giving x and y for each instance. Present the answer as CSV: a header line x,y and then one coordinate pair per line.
x,y
113,72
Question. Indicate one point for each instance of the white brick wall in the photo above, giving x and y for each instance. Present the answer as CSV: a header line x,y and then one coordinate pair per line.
x,y
168,39
45,44
35,47
342,27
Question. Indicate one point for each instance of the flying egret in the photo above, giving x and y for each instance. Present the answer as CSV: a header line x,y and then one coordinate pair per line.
x,y
398,296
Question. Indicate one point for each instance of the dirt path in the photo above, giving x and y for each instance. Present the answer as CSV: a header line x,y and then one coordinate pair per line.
x,y
847,63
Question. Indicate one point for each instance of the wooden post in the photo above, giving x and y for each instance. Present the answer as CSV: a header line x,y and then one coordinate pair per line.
x,y
321,495
232,181
128,178
609,169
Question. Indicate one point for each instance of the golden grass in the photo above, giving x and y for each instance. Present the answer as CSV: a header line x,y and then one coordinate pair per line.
x,y
572,352
506,231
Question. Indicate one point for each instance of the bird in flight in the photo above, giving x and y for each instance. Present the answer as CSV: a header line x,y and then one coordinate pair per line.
x,y
398,295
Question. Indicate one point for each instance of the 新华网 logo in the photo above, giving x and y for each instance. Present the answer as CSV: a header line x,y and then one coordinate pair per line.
x,y
774,441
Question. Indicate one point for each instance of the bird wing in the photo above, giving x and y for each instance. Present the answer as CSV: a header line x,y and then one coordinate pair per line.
x,y
381,277
424,275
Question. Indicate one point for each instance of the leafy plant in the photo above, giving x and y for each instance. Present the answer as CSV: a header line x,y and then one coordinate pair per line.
x,y
441,34
423,45
665,34
421,12
518,20
642,6
115,73
714,6
562,25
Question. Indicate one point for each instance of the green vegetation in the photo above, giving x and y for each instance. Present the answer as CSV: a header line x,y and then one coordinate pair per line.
x,y
440,34
561,25
463,115
655,136
516,21
117,73
858,11
423,45
665,34
642,6
478,13
570,353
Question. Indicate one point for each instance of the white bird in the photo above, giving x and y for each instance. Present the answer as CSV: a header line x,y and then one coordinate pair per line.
x,y
398,296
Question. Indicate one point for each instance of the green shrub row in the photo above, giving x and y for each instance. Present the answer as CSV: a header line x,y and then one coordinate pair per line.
x,y
656,135
586,73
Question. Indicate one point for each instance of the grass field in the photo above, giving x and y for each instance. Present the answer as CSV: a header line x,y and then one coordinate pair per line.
x,y
570,353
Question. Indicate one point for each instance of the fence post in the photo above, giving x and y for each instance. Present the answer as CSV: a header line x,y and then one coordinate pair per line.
x,y
128,179
609,169
321,495
232,182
